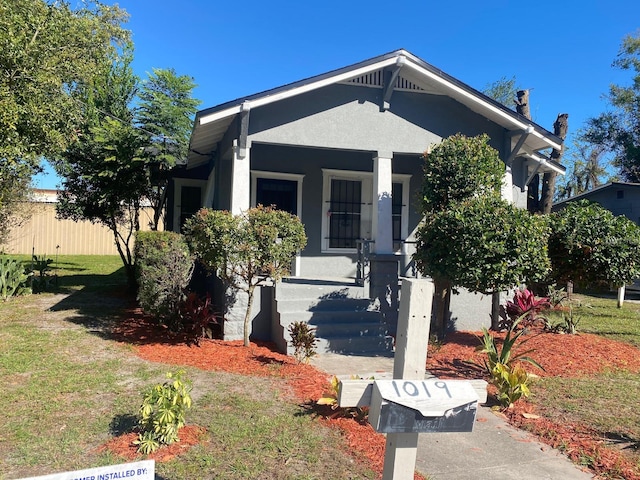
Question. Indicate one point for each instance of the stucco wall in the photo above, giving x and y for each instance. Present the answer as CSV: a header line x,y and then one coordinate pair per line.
x,y
349,117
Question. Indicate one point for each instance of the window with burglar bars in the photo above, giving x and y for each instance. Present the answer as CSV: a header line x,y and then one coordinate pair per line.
x,y
345,212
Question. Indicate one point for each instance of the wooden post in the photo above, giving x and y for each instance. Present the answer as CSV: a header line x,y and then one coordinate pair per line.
x,y
412,339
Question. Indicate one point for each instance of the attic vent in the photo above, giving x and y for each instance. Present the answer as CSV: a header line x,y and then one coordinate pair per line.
x,y
373,79
404,84
376,79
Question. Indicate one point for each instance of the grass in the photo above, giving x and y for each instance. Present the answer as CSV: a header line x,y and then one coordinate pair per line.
x,y
606,402
76,272
68,388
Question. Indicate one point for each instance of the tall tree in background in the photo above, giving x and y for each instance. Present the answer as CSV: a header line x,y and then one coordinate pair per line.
x,y
104,174
503,91
586,170
618,131
165,112
48,51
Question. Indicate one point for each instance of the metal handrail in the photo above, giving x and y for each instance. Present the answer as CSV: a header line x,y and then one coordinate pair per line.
x,y
363,247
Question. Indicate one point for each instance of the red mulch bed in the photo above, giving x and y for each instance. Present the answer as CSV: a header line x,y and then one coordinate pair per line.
x,y
560,355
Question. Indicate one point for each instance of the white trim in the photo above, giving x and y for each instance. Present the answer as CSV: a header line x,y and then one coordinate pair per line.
x,y
479,101
366,195
294,177
178,183
299,90
543,161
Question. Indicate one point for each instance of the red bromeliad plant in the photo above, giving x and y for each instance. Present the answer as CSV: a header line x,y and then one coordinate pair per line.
x,y
527,306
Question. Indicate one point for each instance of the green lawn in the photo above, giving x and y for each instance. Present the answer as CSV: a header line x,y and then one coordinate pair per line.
x,y
607,402
69,388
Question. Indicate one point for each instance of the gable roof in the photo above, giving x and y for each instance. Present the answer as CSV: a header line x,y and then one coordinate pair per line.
x,y
601,188
412,73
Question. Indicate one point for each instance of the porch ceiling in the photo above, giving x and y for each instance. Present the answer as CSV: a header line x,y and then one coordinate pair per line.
x,y
211,124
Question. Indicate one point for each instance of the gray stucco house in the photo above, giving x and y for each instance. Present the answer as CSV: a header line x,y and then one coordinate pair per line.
x,y
621,198
342,150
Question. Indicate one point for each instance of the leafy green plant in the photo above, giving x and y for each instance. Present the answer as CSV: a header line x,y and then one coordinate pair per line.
x,y
13,278
556,295
246,250
508,376
163,270
43,281
512,382
303,340
162,413
569,322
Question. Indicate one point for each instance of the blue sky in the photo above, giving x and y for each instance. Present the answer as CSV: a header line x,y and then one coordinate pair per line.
x,y
561,50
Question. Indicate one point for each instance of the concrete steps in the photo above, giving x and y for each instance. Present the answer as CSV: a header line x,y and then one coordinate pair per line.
x,y
345,320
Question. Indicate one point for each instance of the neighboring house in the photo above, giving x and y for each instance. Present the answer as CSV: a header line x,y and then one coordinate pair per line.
x,y
44,234
618,197
342,150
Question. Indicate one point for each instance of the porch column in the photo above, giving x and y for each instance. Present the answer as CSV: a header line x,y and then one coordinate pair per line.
x,y
240,179
507,183
383,275
381,230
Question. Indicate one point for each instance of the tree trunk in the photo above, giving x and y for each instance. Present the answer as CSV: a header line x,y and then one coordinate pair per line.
x,y
522,103
441,303
533,189
560,127
247,315
495,311
533,194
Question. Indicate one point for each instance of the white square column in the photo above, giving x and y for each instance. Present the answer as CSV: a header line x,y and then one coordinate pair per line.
x,y
382,222
240,179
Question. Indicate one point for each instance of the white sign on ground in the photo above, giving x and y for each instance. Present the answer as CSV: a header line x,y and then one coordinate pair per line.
x,y
144,470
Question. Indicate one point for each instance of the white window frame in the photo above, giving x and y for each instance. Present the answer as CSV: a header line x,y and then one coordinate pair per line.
x,y
178,183
293,177
366,178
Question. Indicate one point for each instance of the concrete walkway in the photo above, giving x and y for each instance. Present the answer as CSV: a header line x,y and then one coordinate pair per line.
x,y
493,450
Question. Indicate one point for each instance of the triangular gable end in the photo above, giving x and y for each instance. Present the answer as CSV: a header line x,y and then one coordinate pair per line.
x,y
398,70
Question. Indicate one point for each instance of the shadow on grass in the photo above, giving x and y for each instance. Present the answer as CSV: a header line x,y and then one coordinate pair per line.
x,y
123,424
97,302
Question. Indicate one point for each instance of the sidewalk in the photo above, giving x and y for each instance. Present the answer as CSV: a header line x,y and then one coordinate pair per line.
x,y
494,449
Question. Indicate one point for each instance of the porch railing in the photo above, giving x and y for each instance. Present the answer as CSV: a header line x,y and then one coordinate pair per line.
x,y
363,246
407,264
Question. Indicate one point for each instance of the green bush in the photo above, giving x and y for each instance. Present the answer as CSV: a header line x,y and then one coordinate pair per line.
x,y
163,270
590,246
162,413
13,278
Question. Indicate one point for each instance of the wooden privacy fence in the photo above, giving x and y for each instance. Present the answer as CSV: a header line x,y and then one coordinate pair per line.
x,y
44,234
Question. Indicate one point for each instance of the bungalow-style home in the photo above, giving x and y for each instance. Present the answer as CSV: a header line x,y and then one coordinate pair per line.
x,y
342,150
621,198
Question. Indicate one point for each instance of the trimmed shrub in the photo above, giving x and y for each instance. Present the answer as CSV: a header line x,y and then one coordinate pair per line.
x,y
163,270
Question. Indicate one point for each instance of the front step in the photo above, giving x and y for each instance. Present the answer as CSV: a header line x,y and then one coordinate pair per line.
x,y
345,320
